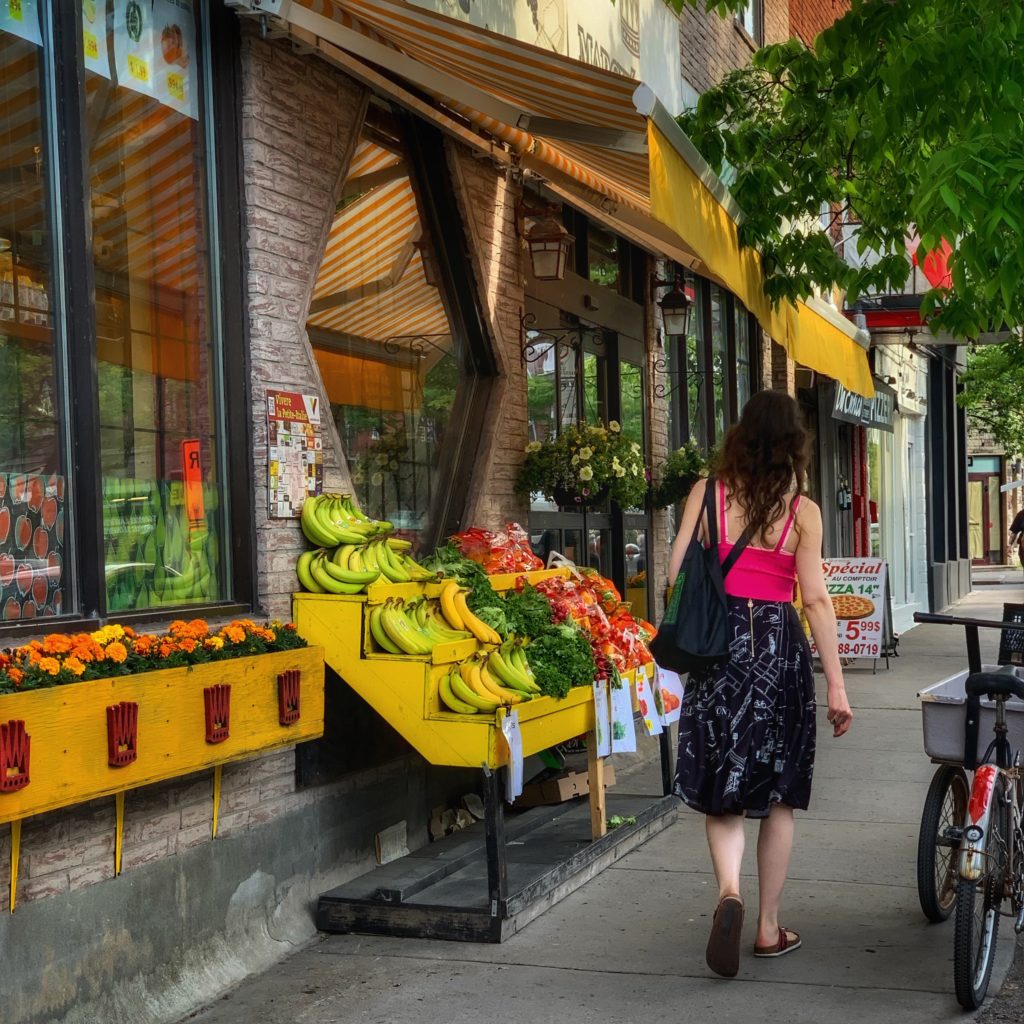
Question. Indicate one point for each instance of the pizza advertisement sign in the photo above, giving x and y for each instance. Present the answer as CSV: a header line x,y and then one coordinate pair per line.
x,y
857,589
295,451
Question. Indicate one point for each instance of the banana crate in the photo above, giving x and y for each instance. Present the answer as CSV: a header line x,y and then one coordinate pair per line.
x,y
404,689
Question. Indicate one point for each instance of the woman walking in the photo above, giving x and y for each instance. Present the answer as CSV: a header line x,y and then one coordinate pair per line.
x,y
747,732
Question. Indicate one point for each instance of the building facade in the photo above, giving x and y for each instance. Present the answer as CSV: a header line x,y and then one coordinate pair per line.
x,y
200,211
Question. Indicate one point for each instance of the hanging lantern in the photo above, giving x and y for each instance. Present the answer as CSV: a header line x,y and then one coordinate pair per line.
x,y
549,244
676,308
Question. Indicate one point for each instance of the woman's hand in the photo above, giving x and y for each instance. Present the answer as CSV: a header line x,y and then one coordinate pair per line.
x,y
839,714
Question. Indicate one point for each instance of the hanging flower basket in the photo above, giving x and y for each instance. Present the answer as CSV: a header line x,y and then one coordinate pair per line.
x,y
584,466
681,470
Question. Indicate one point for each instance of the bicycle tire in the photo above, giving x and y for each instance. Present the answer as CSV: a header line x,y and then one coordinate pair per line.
x,y
944,807
975,937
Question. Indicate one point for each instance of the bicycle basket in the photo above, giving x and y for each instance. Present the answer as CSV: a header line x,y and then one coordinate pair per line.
x,y
1011,641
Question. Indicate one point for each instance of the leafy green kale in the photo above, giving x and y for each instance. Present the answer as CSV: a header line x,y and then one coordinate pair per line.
x,y
528,611
561,658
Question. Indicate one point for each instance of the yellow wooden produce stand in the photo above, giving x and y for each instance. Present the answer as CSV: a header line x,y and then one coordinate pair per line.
x,y
403,690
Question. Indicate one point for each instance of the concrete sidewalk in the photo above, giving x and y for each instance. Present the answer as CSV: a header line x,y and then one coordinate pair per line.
x,y
629,946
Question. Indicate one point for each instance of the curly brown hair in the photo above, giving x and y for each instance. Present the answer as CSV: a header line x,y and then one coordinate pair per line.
x,y
764,456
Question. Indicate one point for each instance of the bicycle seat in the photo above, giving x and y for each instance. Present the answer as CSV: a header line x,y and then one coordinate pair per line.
x,y
1004,683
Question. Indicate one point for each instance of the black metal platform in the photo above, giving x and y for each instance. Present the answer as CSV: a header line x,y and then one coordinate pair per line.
x,y
485,883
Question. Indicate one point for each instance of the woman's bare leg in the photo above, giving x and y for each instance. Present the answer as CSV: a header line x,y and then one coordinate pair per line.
x,y
774,845
725,840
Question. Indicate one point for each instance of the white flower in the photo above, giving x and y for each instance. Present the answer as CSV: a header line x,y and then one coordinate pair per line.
x,y
586,473
585,452
636,471
619,472
635,448
614,427
392,465
377,479
382,460
533,446
575,460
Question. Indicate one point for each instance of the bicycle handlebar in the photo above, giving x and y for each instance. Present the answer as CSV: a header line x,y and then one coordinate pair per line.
x,y
956,620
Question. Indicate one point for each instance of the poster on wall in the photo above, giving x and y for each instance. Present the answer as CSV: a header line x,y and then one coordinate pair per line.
x,y
133,45
857,589
94,37
294,452
174,56
21,18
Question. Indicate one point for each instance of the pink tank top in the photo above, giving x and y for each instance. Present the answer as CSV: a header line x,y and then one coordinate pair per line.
x,y
763,574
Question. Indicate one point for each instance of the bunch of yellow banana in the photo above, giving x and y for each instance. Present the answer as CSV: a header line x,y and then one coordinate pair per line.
x,y
390,557
416,628
321,572
456,611
469,688
331,519
508,665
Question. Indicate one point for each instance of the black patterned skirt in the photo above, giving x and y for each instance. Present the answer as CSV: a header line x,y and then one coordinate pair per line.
x,y
747,730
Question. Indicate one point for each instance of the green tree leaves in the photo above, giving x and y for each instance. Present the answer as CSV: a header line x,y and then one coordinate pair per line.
x,y
904,112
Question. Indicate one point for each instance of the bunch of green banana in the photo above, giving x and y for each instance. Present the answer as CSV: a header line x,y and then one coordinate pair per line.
x,y
190,585
508,665
389,556
416,629
319,574
329,520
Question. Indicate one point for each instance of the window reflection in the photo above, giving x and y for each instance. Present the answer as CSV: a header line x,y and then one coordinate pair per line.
x,y
383,341
33,482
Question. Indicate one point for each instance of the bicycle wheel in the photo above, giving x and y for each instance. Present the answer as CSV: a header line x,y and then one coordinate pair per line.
x,y
977,912
944,809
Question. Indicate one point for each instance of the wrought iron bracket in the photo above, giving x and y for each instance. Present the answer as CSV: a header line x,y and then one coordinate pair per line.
x,y
536,342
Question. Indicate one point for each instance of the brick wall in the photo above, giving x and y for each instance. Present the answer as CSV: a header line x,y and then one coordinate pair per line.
x,y
300,124
809,17
783,370
711,46
487,199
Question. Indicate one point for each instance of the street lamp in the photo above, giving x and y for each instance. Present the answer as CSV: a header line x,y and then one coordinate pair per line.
x,y
549,244
676,307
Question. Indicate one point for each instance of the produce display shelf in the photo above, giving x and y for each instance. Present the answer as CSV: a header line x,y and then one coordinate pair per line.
x,y
403,689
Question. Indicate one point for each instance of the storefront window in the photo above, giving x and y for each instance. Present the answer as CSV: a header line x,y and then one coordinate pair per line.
x,y
392,366
160,446
719,313
743,357
33,465
603,256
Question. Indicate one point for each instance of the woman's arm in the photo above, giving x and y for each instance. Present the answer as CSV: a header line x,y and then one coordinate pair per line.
x,y
693,509
820,613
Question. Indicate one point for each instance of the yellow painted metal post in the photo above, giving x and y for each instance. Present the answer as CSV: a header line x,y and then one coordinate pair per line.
x,y
118,831
217,771
15,856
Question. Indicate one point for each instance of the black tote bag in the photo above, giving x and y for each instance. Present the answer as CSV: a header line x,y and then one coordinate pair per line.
x,y
694,634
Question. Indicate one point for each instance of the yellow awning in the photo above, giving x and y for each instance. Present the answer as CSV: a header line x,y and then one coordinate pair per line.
x,y
685,203
580,123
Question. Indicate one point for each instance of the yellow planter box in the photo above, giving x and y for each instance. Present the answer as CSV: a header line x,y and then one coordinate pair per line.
x,y
102,737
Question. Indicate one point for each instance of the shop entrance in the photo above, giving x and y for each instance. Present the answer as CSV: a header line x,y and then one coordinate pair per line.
x,y
580,373
984,518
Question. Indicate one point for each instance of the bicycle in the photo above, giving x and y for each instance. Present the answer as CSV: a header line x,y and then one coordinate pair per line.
x,y
985,862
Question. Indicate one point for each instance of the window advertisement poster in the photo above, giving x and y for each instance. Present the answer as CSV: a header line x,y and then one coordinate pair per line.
x,y
294,452
857,589
21,18
174,56
133,45
94,37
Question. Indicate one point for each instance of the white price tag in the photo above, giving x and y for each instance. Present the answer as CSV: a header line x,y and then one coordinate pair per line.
x,y
514,742
623,730
602,718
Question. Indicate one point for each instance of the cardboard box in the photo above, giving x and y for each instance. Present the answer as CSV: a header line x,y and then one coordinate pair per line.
x,y
561,788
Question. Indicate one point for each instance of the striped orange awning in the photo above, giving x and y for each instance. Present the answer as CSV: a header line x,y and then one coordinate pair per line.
x,y
371,284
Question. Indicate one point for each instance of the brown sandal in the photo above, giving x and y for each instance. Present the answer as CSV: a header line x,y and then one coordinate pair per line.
x,y
723,952
782,947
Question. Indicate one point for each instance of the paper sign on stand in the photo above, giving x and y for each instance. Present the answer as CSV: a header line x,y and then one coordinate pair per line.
x,y
648,707
602,718
514,742
670,695
623,729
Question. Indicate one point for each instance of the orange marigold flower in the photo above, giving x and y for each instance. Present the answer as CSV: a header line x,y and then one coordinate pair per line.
x,y
166,649
117,652
74,666
266,634
188,645
130,633
15,675
49,665
234,633
144,645
57,643
198,629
